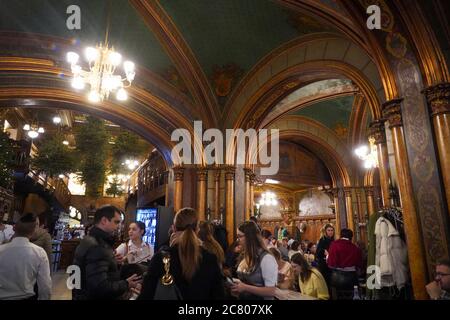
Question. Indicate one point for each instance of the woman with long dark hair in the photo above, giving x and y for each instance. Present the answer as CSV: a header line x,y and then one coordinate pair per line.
x,y
258,270
195,271
206,234
135,250
310,280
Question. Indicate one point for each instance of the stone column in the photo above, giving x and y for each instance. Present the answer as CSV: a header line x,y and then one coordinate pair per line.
x,y
392,112
229,203
337,211
178,190
377,131
217,174
349,208
370,200
438,97
248,202
202,179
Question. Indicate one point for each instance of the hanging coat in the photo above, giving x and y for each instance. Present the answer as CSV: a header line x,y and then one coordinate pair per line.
x,y
391,255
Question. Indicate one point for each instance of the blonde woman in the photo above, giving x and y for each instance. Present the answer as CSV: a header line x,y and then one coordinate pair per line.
x,y
285,271
195,271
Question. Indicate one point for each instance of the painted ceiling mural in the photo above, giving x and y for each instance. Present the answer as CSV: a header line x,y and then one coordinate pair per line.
x,y
334,114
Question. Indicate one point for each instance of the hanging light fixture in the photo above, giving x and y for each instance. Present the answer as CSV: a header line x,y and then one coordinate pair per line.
x,y
368,154
101,78
131,164
268,199
57,120
33,130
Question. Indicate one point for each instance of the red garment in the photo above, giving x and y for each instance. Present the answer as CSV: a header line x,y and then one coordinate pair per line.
x,y
343,253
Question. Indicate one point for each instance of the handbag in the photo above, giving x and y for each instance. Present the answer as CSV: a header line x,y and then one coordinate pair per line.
x,y
166,288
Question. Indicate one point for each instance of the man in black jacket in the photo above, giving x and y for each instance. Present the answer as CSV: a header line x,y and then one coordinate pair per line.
x,y
100,278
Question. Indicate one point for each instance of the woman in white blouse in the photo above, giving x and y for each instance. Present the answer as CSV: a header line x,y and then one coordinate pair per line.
x,y
135,250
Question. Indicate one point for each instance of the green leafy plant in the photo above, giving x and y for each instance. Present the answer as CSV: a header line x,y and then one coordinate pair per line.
x,y
93,150
115,188
127,146
54,158
6,159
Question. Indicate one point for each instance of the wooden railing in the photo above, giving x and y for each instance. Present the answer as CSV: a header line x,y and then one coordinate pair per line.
x,y
313,225
56,186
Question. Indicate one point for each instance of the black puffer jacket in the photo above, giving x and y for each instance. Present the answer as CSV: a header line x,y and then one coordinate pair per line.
x,y
100,278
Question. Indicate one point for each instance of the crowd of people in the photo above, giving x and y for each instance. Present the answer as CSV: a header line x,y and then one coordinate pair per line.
x,y
193,264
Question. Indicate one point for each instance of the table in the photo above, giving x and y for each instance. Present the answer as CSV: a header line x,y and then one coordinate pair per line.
x,y
291,295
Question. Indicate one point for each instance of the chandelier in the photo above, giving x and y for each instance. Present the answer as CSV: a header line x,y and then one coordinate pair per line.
x,y
368,154
101,79
268,199
33,130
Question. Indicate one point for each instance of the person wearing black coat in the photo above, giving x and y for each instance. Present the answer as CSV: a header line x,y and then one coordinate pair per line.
x,y
195,271
322,246
206,284
100,277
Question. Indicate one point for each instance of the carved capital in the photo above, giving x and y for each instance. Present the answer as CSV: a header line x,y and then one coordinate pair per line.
x,y
377,131
438,98
230,172
392,112
335,192
217,173
369,191
348,191
202,174
248,174
178,173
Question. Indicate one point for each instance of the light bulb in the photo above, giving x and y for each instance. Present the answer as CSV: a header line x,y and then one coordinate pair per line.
x,y
56,120
78,83
26,127
33,134
122,95
65,142
76,70
362,151
127,161
61,176
115,58
91,54
72,57
41,130
94,96
128,66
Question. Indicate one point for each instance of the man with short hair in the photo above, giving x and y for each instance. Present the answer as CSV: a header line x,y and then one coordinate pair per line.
x,y
24,264
439,289
100,277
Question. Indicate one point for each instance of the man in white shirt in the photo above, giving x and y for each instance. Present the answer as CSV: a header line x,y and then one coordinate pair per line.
x,y
23,264
6,233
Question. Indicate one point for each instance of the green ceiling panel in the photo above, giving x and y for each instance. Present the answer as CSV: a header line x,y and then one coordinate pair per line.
x,y
238,32
129,34
334,114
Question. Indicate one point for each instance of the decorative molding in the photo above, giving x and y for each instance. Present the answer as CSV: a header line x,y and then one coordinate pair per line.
x,y
438,98
230,172
178,173
348,191
369,191
392,111
202,174
377,131
181,54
